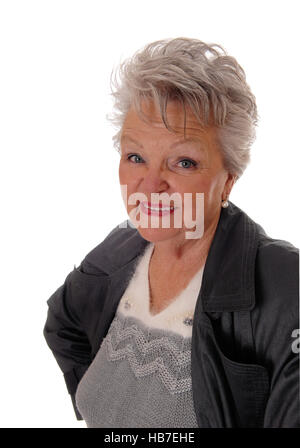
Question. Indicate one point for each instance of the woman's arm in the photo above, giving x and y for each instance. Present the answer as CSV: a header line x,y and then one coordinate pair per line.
x,y
283,407
275,322
65,336
75,322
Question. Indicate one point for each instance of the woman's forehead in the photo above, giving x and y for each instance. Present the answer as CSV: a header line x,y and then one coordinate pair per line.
x,y
181,126
177,115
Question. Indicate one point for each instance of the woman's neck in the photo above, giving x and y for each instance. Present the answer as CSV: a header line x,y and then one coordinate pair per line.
x,y
183,252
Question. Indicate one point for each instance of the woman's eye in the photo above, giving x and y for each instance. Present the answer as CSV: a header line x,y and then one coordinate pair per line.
x,y
187,163
136,157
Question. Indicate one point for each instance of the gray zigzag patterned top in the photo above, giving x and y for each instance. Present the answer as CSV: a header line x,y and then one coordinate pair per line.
x,y
141,375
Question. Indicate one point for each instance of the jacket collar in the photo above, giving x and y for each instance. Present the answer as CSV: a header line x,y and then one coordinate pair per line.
x,y
228,282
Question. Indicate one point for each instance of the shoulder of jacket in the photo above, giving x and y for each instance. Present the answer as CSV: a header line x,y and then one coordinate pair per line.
x,y
277,272
276,251
118,248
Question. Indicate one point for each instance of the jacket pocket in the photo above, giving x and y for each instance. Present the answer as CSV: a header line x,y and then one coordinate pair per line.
x,y
249,387
230,393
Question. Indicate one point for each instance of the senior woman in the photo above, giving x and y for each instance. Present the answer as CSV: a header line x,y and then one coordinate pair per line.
x,y
186,314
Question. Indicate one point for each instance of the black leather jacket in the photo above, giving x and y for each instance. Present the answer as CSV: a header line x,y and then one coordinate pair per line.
x,y
245,356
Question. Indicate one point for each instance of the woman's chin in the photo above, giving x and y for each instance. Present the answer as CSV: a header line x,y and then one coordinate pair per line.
x,y
157,234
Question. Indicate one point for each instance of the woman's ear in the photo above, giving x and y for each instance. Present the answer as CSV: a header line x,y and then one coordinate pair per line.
x,y
231,179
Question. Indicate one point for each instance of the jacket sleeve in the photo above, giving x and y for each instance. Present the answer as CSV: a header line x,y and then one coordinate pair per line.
x,y
276,327
283,407
74,311
65,336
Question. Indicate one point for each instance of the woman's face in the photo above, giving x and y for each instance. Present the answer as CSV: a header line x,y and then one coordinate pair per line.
x,y
155,160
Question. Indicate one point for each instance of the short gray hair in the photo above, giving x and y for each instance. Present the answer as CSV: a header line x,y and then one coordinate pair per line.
x,y
202,76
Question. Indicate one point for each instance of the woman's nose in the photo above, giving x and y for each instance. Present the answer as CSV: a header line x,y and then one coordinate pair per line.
x,y
154,181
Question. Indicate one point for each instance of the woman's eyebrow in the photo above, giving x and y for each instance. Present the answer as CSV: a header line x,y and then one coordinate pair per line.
x,y
127,138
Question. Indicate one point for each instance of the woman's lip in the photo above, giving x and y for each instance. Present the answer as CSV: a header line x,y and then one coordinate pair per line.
x,y
159,212
160,206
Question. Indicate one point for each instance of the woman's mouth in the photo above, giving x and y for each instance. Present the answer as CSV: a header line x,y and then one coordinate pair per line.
x,y
156,209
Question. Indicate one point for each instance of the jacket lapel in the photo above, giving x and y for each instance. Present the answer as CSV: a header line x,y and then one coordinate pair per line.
x,y
228,282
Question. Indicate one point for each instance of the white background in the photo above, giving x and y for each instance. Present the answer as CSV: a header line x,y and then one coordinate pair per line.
x,y
59,172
